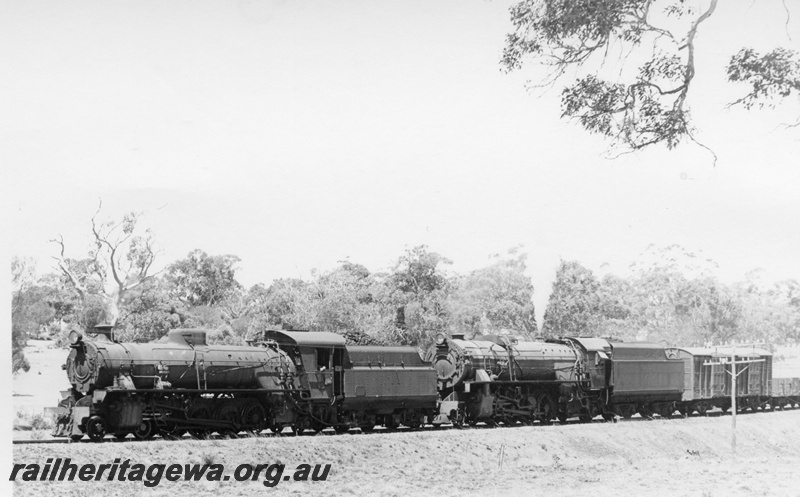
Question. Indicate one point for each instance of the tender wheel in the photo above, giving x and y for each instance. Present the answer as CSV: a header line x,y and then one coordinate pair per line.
x,y
96,429
341,429
367,428
645,412
145,430
416,420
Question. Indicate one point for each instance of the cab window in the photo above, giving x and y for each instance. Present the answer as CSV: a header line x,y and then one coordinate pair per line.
x,y
323,359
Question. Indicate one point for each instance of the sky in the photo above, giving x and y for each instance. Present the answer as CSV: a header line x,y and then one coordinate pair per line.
x,y
298,134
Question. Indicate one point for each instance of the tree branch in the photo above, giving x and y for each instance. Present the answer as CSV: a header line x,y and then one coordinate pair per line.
x,y
76,284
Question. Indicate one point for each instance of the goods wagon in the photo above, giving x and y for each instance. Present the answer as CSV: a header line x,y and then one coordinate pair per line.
x,y
785,392
708,382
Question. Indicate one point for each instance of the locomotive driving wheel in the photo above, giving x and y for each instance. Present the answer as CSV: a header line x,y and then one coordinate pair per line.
x,y
202,413
96,429
546,409
145,430
228,413
253,416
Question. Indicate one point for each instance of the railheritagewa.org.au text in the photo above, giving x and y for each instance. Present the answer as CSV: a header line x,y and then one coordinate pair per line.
x,y
151,475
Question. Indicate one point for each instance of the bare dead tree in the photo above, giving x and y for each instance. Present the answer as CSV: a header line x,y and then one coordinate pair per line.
x,y
120,261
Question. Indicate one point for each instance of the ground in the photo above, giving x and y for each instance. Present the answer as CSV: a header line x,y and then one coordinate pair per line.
x,y
675,457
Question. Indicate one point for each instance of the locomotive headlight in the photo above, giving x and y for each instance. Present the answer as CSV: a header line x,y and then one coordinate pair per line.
x,y
440,338
74,337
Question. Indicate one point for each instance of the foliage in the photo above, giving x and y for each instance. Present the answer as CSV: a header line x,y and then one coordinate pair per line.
x,y
670,296
278,306
203,280
418,289
574,306
341,301
616,307
771,314
770,76
18,360
150,312
495,299
22,272
646,104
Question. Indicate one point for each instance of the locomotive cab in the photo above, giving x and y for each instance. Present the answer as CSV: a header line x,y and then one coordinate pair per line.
x,y
594,359
319,357
357,386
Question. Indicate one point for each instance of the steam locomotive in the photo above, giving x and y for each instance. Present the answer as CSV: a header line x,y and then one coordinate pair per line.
x,y
313,380
300,380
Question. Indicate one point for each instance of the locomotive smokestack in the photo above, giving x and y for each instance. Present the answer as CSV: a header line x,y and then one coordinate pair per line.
x,y
105,330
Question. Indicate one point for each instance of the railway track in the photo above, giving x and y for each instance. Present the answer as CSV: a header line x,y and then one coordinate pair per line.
x,y
331,432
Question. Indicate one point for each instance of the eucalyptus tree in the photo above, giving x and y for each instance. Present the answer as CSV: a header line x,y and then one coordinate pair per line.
x,y
120,259
635,62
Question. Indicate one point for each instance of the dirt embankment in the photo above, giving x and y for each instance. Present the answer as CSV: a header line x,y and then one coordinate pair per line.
x,y
674,457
